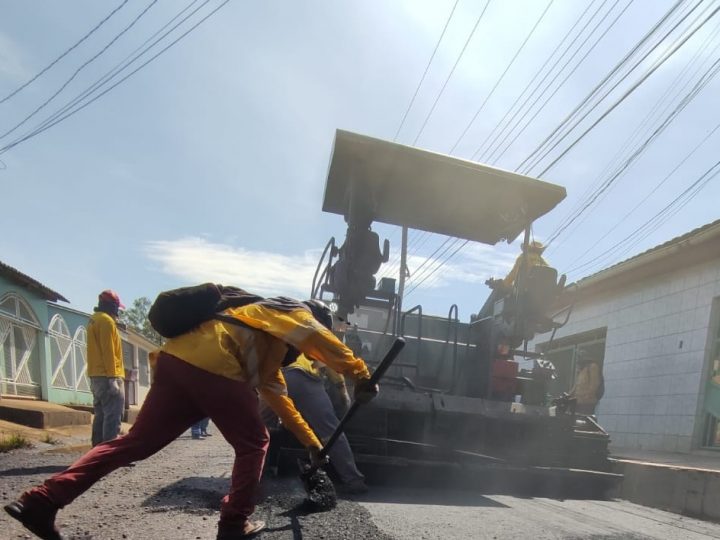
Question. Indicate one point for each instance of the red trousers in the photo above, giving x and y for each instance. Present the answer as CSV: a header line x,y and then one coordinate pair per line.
x,y
181,394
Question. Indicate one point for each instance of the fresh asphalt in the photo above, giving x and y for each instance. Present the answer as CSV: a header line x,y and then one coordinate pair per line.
x,y
176,494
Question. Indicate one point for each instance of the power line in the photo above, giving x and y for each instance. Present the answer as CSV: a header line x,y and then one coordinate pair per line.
x,y
617,67
537,74
507,68
604,115
639,204
78,70
124,63
419,270
625,95
427,68
608,77
64,54
98,96
529,120
442,90
543,90
437,268
656,112
447,80
666,212
457,240
681,106
598,87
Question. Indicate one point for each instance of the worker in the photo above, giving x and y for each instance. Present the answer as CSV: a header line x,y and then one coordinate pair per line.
x,y
212,371
589,385
306,388
531,256
105,368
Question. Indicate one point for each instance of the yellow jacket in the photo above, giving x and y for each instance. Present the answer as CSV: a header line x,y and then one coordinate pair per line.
x,y
315,369
587,384
533,259
104,349
256,356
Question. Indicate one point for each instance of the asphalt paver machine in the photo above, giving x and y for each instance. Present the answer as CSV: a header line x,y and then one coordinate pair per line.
x,y
467,398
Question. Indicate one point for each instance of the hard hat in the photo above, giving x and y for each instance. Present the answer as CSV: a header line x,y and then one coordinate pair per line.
x,y
321,312
110,297
534,246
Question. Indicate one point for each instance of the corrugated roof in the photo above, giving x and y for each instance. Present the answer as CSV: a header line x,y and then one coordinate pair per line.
x,y
17,276
672,242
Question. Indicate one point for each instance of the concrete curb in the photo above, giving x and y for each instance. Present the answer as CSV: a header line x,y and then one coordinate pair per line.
x,y
41,415
688,491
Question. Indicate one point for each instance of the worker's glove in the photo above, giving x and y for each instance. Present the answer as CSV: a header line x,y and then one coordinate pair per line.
x,y
315,459
364,391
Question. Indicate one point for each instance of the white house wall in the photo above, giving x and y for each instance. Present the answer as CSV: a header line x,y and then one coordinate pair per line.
x,y
655,357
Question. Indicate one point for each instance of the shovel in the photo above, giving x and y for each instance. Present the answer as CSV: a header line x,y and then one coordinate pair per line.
x,y
320,490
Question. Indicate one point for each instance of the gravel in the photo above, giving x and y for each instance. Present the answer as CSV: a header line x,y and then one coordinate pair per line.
x,y
175,494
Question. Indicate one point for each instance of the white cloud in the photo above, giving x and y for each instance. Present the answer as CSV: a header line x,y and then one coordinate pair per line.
x,y
474,263
195,259
11,65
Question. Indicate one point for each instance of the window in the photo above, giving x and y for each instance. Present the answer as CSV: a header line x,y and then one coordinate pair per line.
x,y
19,357
143,367
61,354
68,356
563,354
82,383
128,353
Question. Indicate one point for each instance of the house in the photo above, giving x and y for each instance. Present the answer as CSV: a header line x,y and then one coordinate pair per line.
x,y
653,321
43,346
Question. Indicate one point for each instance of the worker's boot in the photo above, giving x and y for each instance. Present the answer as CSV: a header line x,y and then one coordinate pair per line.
x,y
36,516
235,530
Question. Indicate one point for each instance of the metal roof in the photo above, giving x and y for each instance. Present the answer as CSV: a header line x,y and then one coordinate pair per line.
x,y
665,251
26,281
434,192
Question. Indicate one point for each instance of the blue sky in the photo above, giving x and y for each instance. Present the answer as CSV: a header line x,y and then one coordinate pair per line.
x,y
209,164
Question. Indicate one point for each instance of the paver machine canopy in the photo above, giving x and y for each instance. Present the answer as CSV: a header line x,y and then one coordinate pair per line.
x,y
374,180
406,186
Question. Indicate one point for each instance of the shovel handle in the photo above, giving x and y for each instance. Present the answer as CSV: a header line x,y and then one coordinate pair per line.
x,y
386,362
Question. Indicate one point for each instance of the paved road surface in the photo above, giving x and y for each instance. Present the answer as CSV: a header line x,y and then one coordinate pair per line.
x,y
176,494
424,515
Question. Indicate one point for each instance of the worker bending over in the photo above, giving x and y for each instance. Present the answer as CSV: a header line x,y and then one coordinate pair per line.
x,y
212,371
306,387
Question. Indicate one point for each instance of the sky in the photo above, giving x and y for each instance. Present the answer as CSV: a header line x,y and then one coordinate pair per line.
x,y
209,163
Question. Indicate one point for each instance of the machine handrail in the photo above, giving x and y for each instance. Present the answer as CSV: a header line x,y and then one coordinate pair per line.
x,y
330,246
455,322
417,308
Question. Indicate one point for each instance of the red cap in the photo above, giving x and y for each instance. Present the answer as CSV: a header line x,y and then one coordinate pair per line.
x,y
111,296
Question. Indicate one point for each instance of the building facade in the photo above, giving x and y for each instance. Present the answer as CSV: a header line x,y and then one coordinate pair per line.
x,y
43,346
653,322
